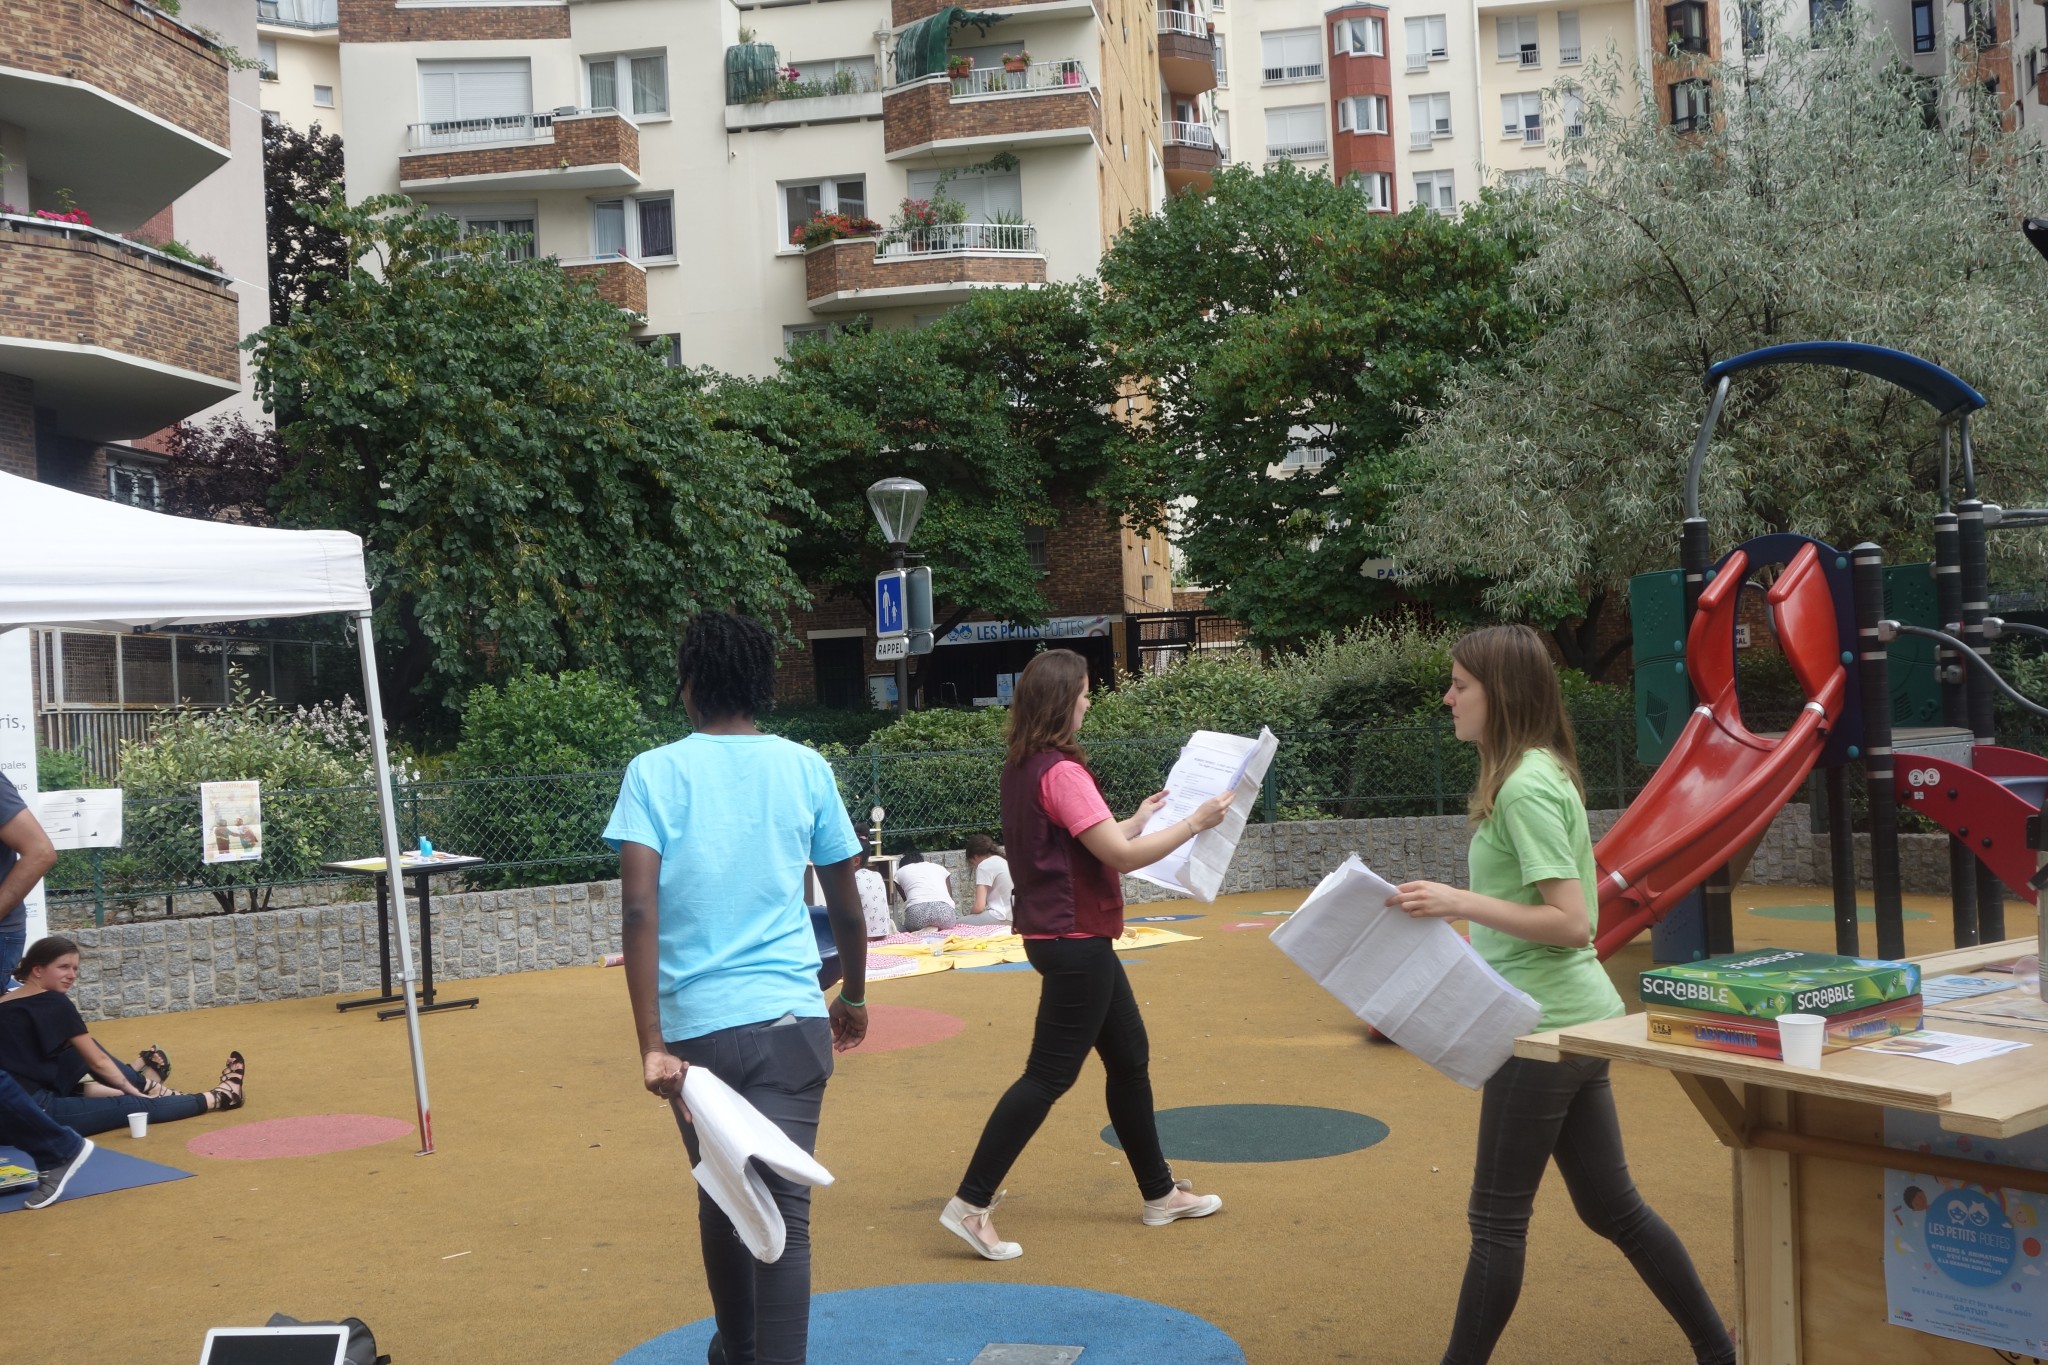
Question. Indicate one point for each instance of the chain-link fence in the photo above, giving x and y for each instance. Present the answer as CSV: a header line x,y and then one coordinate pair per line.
x,y
536,830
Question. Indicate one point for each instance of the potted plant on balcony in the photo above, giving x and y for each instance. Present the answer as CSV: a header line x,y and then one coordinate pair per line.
x,y
959,68
832,227
1016,61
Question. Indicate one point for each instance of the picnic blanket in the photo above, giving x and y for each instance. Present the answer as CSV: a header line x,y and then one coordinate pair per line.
x,y
980,945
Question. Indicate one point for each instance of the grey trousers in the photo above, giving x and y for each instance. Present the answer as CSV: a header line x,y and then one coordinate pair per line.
x,y
763,1311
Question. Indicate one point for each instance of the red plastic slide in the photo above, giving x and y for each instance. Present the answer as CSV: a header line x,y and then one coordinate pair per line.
x,y
1721,784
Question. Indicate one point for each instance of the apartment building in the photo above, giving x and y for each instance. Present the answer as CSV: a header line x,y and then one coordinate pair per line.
x,y
299,44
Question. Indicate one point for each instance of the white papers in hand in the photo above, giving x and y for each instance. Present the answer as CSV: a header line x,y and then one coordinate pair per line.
x,y
1415,980
729,1132
1210,764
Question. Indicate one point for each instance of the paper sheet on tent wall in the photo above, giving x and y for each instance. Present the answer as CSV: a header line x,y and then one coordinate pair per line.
x,y
1414,980
1210,764
731,1135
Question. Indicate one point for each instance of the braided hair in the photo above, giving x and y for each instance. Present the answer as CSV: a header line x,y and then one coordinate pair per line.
x,y
728,663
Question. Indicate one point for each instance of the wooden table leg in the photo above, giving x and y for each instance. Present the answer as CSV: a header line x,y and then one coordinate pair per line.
x,y
1767,1241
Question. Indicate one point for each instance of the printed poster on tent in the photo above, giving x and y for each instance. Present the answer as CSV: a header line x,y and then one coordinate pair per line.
x,y
1963,1261
231,821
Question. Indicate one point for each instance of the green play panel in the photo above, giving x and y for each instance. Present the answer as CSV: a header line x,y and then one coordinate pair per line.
x,y
1261,1132
1864,914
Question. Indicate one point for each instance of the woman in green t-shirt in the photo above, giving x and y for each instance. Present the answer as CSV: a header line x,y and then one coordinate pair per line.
x,y
1531,913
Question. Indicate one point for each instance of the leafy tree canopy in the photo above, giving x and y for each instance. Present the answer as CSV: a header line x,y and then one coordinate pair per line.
x,y
1826,201
1001,408
1275,316
301,172
533,487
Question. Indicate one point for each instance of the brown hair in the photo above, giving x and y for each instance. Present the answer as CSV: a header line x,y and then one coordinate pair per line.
x,y
42,953
981,846
1042,706
1524,708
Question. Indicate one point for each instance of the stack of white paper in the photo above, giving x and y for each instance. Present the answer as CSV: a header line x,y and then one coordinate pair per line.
x,y
729,1132
1210,764
1414,980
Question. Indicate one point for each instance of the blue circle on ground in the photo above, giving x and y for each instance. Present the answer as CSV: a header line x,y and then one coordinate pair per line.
x,y
950,1324
1157,919
1261,1132
1124,958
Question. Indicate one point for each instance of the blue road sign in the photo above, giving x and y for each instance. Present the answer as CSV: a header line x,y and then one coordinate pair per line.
x,y
889,614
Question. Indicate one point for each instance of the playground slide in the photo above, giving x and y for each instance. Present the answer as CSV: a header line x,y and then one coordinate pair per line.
x,y
1721,783
1986,805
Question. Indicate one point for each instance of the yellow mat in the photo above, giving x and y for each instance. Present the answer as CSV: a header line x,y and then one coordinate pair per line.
x,y
899,961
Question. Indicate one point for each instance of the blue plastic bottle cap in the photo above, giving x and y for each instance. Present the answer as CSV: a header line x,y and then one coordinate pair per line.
x,y
1855,752
1841,561
1847,657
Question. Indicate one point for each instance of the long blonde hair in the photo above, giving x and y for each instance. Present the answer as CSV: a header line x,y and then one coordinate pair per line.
x,y
1042,706
1524,708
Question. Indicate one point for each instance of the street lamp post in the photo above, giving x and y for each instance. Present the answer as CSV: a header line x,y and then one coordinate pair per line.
x,y
897,504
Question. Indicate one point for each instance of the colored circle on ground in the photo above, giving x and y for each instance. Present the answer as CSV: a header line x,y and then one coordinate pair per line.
x,y
306,1135
1261,1132
1248,924
1157,919
891,1028
1128,959
1826,913
956,1322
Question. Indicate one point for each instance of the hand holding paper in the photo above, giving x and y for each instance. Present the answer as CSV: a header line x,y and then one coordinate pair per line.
x,y
1210,765
731,1135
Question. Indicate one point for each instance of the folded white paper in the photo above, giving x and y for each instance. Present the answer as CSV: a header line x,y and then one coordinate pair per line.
x,y
730,1132
1415,980
1210,764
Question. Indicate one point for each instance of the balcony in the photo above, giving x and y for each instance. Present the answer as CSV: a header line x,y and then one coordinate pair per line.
x,y
1529,56
620,282
122,105
568,149
1045,104
1187,54
941,265
903,12
118,339
1319,150
301,14
1191,156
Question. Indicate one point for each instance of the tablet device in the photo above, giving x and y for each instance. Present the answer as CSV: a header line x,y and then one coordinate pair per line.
x,y
275,1346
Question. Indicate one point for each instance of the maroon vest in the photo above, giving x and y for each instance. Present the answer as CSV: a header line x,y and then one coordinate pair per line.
x,y
1060,887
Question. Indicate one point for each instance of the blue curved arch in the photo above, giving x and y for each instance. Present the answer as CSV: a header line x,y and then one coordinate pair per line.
x,y
1924,379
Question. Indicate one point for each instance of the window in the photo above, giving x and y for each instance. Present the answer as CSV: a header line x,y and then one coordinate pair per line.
x,y
1521,182
323,96
1429,118
1426,42
469,101
1516,40
521,228
1571,111
1222,62
1568,36
1362,114
1980,20
1034,548
1378,189
990,196
1685,25
805,200
1689,106
668,347
636,84
1522,116
1752,25
643,228
1821,13
1296,134
1434,190
266,58
1923,25
1358,38
809,334
133,486
1294,55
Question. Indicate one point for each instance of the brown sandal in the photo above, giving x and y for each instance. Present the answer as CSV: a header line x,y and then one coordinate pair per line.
x,y
229,1094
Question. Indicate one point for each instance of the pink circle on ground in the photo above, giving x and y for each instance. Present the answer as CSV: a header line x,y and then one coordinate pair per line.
x,y
894,1027
307,1135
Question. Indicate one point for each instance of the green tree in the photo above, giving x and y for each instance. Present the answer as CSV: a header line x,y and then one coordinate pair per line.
x,y
1002,409
1824,202
1278,323
533,488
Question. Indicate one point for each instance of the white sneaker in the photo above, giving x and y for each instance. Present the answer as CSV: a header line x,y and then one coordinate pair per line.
x,y
1160,1212
968,1223
51,1187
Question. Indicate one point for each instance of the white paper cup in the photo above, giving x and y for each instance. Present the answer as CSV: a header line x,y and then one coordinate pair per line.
x,y
1801,1035
138,1125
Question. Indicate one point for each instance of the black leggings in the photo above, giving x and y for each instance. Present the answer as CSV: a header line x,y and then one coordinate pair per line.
x,y
1084,1003
1531,1112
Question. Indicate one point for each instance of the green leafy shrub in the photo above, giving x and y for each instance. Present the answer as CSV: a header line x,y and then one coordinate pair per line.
x,y
59,770
578,721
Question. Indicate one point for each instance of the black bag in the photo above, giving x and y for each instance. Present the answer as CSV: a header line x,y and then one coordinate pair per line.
x,y
362,1343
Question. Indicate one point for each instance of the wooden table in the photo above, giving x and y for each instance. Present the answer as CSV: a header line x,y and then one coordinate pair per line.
x,y
1809,1162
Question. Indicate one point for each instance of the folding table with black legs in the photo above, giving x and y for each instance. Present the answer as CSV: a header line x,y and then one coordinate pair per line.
x,y
421,870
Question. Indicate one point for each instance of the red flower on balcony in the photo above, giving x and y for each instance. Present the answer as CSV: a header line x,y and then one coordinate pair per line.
x,y
830,227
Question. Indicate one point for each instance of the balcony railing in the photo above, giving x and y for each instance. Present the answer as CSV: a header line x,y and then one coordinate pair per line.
x,y
1297,151
1179,134
1306,71
1531,57
1183,22
1532,135
1062,75
50,227
1018,237
1568,55
299,13
1418,61
460,132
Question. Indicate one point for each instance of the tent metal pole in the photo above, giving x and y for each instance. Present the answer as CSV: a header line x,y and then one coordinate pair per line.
x,y
387,820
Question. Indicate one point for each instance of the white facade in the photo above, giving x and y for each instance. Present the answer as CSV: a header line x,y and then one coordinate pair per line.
x,y
299,44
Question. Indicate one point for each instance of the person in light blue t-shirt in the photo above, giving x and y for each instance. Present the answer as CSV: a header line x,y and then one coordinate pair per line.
x,y
714,834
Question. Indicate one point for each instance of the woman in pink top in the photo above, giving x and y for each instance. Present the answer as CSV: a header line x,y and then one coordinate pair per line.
x,y
1066,852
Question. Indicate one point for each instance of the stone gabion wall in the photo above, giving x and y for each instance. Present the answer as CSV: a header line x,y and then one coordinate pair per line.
x,y
163,966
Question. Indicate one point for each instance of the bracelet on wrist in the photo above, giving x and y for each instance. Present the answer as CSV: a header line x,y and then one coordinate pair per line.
x,y
852,1004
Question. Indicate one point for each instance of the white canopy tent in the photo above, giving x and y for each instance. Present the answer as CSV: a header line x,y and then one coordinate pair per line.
x,y
72,561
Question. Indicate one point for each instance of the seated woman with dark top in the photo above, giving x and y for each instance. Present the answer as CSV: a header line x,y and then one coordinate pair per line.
x,y
45,1046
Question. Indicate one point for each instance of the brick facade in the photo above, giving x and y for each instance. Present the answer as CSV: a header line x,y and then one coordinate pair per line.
x,y
1352,152
581,140
622,284
17,427
145,58
85,291
850,265
915,115
1187,63
1188,164
381,21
